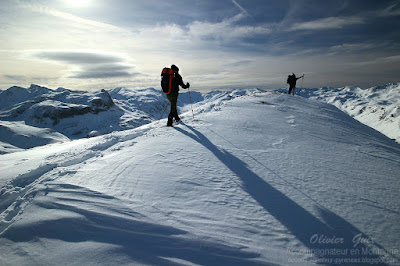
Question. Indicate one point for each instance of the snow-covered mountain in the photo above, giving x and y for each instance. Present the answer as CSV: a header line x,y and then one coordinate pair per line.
x,y
377,107
64,114
74,113
36,116
256,178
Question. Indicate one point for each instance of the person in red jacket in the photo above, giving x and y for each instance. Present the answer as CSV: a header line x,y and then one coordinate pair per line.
x,y
173,96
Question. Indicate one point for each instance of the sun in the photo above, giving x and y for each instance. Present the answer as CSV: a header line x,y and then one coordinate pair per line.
x,y
77,3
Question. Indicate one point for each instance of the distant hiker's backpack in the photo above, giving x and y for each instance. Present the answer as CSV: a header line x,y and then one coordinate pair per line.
x,y
167,75
288,79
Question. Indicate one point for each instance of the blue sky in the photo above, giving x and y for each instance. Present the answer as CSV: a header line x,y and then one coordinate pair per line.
x,y
96,44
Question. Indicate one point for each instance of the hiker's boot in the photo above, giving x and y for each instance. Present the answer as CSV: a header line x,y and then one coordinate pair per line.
x,y
169,123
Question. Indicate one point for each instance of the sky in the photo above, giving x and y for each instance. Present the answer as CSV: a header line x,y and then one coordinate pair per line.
x,y
104,44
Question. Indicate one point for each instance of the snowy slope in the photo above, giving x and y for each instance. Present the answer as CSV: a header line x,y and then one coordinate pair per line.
x,y
264,178
15,94
79,114
377,107
20,136
74,114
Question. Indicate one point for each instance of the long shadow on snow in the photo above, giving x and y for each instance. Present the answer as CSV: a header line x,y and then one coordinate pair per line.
x,y
311,231
94,220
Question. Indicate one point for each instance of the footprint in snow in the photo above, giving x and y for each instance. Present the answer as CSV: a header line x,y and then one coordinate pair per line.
x,y
291,120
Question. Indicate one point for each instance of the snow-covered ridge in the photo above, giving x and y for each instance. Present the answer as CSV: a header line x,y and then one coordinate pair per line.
x,y
70,114
263,179
377,107
19,136
37,115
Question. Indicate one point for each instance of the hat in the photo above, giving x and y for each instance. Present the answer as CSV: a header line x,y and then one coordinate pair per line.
x,y
175,68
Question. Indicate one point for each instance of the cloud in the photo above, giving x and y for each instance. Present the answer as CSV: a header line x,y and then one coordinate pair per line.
x,y
327,23
70,17
354,47
89,64
238,64
164,33
16,77
241,8
391,11
388,61
103,71
79,57
199,35
225,31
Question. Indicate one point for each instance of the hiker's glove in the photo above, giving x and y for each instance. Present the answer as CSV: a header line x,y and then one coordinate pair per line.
x,y
187,85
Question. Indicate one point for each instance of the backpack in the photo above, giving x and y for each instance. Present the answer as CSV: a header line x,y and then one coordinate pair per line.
x,y
167,75
288,79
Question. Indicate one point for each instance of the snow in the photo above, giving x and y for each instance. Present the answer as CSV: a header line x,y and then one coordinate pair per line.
x,y
377,107
254,178
21,136
79,114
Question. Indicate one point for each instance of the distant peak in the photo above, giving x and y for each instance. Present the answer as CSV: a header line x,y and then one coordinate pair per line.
x,y
34,88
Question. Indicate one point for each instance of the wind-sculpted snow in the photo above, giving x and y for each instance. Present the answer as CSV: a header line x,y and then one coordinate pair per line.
x,y
28,115
71,114
74,114
254,178
377,107
20,136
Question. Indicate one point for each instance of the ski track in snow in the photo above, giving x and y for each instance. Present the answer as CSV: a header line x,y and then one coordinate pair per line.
x,y
249,181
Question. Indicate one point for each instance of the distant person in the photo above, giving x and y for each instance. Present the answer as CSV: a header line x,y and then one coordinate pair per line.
x,y
291,80
173,96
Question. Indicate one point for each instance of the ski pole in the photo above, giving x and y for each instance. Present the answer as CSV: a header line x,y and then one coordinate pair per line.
x,y
302,81
191,105
165,108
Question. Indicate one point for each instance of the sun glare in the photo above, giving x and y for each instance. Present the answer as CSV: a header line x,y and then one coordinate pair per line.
x,y
78,3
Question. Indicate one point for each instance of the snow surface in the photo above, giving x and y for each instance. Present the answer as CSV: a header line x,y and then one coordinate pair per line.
x,y
255,178
79,114
21,136
377,107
